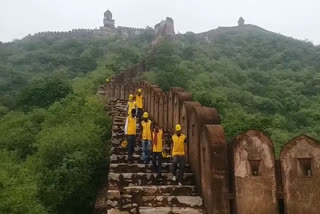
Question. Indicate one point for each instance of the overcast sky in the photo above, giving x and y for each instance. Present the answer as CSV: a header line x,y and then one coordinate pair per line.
x,y
296,18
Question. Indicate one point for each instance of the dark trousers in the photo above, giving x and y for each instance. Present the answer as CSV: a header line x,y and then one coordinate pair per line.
x,y
178,160
140,113
131,144
157,166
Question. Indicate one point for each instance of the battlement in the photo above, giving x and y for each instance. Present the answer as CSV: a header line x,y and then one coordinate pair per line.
x,y
242,176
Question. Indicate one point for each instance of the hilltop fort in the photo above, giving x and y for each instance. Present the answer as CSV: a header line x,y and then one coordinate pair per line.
x,y
162,29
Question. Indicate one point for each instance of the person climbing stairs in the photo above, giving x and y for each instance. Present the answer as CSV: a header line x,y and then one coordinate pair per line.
x,y
134,187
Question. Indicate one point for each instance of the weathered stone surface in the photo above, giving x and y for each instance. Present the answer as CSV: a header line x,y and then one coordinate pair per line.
x,y
254,173
112,203
145,179
113,194
117,211
155,210
300,166
190,200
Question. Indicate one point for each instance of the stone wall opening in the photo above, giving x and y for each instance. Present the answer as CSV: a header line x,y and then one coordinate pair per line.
x,y
305,167
254,176
298,160
254,167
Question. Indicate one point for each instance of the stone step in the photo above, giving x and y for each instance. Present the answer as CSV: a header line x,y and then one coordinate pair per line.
x,y
164,201
136,159
162,190
169,210
143,168
117,180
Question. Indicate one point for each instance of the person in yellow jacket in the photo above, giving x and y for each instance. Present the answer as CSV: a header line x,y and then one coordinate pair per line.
x,y
145,136
130,130
139,102
178,153
131,105
157,148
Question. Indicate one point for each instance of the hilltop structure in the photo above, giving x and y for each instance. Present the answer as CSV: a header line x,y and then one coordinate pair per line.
x,y
163,29
108,22
106,31
240,21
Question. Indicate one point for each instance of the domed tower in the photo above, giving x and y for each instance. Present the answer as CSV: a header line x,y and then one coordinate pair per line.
x,y
108,22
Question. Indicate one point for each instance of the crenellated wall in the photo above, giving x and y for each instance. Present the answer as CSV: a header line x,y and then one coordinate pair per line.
x,y
241,177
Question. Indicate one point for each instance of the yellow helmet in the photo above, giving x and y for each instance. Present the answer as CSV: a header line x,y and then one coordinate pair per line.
x,y
178,127
165,155
139,90
124,144
107,80
130,96
145,115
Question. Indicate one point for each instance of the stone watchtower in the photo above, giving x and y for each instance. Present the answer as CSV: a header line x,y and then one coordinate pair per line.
x,y
240,21
108,22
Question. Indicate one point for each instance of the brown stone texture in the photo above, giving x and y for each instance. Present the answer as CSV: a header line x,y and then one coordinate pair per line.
x,y
179,98
214,173
171,125
111,90
126,92
152,103
254,174
122,92
161,110
185,110
131,89
165,111
300,166
156,112
145,93
117,92
199,117
149,97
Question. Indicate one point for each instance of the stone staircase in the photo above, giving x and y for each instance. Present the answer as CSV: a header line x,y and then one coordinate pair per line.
x,y
133,188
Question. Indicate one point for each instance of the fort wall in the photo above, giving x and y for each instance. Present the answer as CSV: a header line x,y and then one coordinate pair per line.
x,y
242,176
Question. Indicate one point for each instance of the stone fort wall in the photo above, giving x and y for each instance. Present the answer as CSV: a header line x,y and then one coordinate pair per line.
x,y
87,34
238,177
162,30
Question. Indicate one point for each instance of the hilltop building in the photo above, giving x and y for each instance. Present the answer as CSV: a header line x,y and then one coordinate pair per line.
x,y
108,22
241,21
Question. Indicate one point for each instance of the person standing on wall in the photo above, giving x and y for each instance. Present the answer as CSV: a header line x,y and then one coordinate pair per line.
x,y
130,131
139,101
131,105
145,136
178,153
157,149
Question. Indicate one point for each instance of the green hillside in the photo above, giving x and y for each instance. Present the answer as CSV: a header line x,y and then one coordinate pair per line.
x,y
54,133
256,80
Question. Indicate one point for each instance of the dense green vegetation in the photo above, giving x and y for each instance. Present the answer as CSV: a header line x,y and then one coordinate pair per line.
x,y
54,133
256,80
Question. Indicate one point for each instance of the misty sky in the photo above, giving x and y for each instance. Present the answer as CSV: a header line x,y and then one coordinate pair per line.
x,y
296,18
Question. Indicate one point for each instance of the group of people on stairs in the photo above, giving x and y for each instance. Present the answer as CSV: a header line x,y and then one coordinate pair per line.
x,y
152,138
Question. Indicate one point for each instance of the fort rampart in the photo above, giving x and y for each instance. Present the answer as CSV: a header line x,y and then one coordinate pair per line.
x,y
242,176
